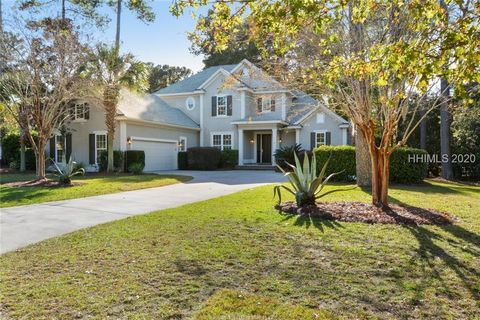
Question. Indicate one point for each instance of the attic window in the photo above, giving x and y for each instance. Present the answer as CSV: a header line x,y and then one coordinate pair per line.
x,y
246,72
190,103
320,117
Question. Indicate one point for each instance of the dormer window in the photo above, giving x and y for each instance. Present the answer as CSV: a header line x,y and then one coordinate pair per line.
x,y
265,105
246,72
80,112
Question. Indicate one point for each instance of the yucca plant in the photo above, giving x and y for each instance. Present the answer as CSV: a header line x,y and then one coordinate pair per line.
x,y
65,175
306,186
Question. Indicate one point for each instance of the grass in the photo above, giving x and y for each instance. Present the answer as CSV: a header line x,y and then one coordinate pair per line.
x,y
88,186
235,257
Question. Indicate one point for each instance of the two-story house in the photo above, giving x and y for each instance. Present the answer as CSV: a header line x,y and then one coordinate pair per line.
x,y
230,107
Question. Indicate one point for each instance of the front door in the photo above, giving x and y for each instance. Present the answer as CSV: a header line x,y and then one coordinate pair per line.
x,y
264,148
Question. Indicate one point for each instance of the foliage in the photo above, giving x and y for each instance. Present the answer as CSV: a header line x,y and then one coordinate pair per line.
x,y
136,168
229,158
118,161
306,184
161,76
405,169
342,161
134,156
182,160
79,165
65,174
286,154
203,158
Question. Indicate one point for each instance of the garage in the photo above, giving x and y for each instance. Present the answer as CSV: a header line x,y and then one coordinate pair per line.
x,y
159,154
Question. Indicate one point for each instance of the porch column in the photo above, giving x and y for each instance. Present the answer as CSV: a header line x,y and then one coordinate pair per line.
x,y
344,136
122,130
242,105
274,144
240,147
297,136
202,131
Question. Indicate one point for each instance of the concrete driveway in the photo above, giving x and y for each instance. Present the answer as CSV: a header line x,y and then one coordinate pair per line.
x,y
24,225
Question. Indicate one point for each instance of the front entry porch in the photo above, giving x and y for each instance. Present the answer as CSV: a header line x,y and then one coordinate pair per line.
x,y
257,146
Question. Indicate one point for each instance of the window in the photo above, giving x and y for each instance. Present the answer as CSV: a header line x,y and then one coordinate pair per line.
x,y
100,145
320,139
190,103
266,104
320,117
223,141
182,144
221,106
59,148
80,111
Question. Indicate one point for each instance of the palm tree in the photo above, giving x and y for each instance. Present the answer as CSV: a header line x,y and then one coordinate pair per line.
x,y
114,71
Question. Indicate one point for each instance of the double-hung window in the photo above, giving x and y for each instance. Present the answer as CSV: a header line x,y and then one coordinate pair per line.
x,y
80,112
182,144
266,104
320,139
59,148
223,141
100,145
222,106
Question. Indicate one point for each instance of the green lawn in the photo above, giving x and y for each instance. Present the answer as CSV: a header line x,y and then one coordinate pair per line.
x,y
89,186
235,257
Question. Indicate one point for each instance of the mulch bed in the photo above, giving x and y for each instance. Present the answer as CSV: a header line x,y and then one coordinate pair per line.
x,y
368,213
41,183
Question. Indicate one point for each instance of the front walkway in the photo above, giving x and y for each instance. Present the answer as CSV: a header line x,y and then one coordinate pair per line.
x,y
24,225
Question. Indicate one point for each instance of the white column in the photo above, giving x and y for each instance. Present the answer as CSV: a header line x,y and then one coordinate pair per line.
x,y
344,136
284,106
240,147
122,130
297,136
202,131
242,105
274,144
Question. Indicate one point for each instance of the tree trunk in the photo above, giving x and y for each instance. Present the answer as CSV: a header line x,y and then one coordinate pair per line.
x,y
63,10
447,172
40,160
362,161
423,130
22,153
117,34
380,161
1,19
110,150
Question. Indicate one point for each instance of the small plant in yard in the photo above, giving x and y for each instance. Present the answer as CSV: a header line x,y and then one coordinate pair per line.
x,y
286,155
65,175
136,168
306,185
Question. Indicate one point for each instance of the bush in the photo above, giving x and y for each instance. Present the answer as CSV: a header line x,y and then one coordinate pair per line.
x,y
401,169
30,160
136,168
182,160
229,158
286,154
118,164
404,170
203,158
342,159
134,156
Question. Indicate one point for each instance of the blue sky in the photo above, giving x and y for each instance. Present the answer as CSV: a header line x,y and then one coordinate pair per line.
x,y
162,42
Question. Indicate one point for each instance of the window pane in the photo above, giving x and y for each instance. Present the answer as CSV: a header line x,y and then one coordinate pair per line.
x,y
227,140
320,138
217,140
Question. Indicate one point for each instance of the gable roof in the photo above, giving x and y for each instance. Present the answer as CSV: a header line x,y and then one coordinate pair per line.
x,y
194,82
149,107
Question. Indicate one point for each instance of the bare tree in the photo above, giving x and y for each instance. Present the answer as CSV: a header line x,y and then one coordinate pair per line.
x,y
42,77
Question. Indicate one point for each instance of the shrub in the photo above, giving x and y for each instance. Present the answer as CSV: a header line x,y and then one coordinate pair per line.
x,y
229,158
401,169
203,158
287,154
136,168
65,175
342,159
30,160
134,156
404,170
118,157
182,160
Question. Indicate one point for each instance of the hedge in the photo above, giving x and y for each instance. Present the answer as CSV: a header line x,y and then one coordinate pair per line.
x,y
134,156
11,152
118,161
182,160
229,158
402,169
203,158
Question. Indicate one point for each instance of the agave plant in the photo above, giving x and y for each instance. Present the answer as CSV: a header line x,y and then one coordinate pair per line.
x,y
65,175
306,186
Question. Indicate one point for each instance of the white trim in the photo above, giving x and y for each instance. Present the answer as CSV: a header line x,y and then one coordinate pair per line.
x,y
153,139
123,135
271,91
274,145
202,98
242,104
100,133
324,137
326,110
222,133
297,136
259,122
344,136
64,148
158,124
213,76
283,102
185,147
344,125
225,96
240,146
179,93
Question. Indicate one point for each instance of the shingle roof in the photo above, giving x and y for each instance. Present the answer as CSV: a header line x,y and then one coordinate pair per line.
x,y
192,83
150,107
302,104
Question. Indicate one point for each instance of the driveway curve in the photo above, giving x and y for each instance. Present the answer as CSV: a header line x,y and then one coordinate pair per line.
x,y
24,225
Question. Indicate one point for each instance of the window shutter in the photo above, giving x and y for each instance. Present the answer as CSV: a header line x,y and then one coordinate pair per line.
x,y
272,107
229,105
328,138
259,105
68,146
71,112
91,148
313,138
52,148
214,106
87,112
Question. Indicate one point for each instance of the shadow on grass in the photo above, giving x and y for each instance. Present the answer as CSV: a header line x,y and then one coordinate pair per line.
x,y
429,187
11,194
307,221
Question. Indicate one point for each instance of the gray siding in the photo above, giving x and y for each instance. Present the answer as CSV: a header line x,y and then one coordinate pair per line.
x,y
180,103
155,132
311,125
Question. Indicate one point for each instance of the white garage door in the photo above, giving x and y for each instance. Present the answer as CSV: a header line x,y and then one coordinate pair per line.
x,y
158,155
